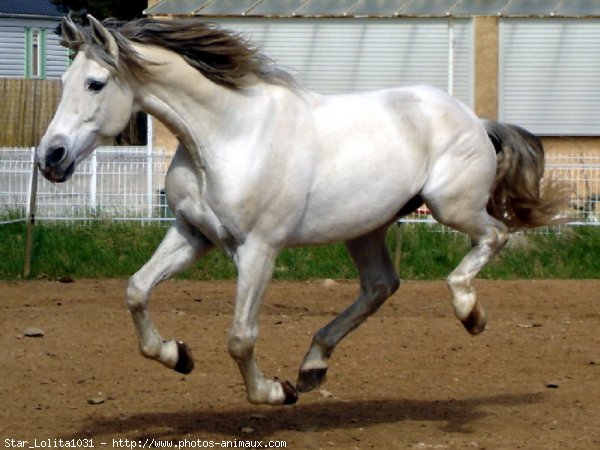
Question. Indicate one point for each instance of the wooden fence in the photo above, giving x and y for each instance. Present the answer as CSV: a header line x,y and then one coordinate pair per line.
x,y
27,107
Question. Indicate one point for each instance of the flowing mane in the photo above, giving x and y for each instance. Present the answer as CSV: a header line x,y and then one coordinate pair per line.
x,y
222,56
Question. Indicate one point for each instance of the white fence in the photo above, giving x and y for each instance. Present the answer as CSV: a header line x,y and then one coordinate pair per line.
x,y
126,183
121,183
583,174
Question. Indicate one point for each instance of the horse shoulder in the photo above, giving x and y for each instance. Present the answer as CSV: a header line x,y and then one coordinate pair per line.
x,y
185,186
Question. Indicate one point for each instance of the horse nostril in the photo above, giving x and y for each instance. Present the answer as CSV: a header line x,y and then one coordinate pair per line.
x,y
56,156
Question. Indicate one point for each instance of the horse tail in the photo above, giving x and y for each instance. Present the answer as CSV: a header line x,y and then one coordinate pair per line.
x,y
520,197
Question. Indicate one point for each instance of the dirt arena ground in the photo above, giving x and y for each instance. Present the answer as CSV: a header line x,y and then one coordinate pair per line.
x,y
409,378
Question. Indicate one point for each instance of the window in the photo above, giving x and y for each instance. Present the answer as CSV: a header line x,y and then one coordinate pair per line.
x,y
35,53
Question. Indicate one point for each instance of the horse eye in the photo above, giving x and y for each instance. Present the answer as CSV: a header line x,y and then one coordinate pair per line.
x,y
95,86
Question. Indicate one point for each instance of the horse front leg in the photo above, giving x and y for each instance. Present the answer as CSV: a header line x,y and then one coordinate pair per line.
x,y
179,249
255,263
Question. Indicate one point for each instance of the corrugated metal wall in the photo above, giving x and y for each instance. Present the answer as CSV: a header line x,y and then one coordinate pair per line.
x,y
549,77
343,55
57,56
12,43
12,39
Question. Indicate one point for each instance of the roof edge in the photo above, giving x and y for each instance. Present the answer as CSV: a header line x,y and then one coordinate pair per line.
x,y
29,16
148,12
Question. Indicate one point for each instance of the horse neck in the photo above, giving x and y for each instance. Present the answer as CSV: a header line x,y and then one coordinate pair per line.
x,y
194,108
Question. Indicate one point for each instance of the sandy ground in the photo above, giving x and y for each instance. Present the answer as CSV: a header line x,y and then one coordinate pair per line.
x,y
409,378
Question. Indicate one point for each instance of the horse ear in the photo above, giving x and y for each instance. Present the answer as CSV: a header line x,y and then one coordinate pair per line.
x,y
102,37
70,34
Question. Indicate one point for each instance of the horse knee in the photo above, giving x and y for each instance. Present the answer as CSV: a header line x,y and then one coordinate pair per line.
x,y
241,345
382,289
137,298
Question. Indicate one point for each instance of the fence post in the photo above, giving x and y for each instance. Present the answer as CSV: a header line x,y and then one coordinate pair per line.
x,y
398,247
30,216
93,182
149,164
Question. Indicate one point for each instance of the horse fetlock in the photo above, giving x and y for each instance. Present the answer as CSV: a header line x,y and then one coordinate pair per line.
x,y
174,355
150,351
463,296
321,348
273,392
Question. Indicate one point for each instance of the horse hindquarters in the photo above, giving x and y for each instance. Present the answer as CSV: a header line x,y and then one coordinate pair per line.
x,y
518,199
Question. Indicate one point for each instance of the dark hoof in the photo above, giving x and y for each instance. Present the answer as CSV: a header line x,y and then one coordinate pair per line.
x,y
476,321
310,379
291,395
185,361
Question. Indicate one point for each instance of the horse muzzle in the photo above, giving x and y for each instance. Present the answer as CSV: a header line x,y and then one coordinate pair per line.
x,y
56,165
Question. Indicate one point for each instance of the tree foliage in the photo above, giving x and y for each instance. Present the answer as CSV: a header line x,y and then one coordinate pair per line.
x,y
103,9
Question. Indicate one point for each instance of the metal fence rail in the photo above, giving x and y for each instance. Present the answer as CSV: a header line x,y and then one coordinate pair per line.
x,y
583,175
120,183
127,183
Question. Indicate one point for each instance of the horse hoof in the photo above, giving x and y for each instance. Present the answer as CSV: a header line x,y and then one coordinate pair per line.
x,y
185,361
310,379
476,321
291,394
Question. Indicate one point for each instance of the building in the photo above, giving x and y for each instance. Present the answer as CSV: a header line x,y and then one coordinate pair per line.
x,y
30,46
527,62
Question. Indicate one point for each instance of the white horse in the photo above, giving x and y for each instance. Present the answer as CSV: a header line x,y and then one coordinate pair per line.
x,y
263,164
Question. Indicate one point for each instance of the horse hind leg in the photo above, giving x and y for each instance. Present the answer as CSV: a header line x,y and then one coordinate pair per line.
x,y
488,236
378,281
485,246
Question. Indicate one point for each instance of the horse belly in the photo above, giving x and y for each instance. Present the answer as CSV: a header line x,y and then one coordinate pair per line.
x,y
370,164
348,206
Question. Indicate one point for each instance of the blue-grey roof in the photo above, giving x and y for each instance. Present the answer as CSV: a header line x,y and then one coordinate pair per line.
x,y
30,8
377,8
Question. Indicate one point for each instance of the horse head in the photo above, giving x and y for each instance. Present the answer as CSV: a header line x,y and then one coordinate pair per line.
x,y
95,106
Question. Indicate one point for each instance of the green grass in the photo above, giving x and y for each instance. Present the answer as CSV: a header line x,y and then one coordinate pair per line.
x,y
117,250
573,253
